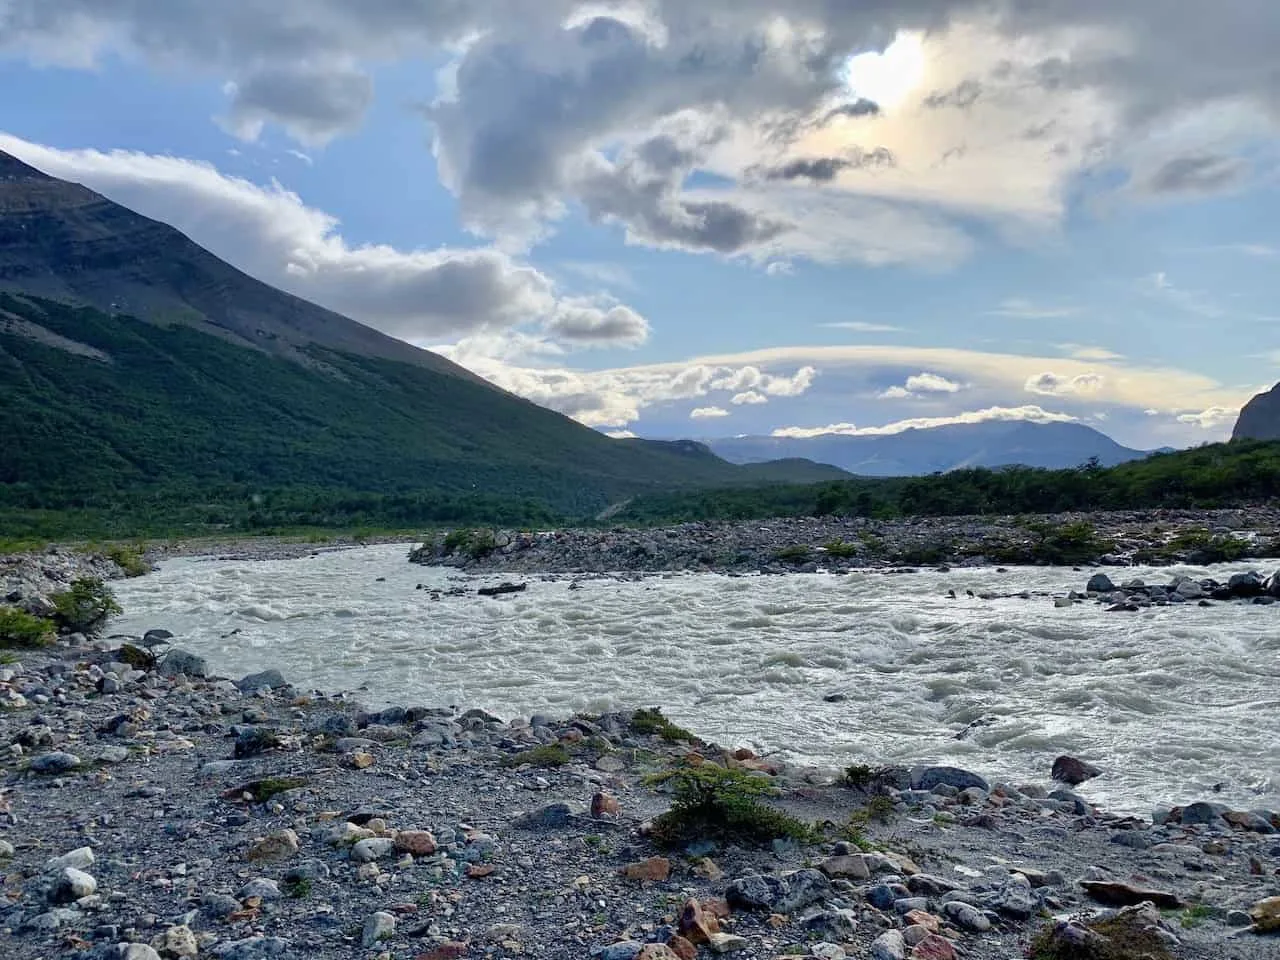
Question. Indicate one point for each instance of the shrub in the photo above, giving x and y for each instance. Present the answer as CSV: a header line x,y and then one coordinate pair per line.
x,y
1122,937
652,721
476,544
714,802
86,607
841,549
548,755
130,559
796,553
21,629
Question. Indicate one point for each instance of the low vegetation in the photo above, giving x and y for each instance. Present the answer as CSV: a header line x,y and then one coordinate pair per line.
x,y
841,549
85,607
652,721
1122,937
547,756
713,802
130,558
20,629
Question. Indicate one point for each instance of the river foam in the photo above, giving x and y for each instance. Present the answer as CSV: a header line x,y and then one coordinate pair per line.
x,y
1169,701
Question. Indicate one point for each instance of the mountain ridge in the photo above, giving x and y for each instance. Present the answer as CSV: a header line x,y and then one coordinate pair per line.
x,y
1259,419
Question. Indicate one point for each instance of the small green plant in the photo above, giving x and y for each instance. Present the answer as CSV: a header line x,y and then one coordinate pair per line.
x,y
853,832
841,549
260,791
298,888
1123,937
651,720
547,755
21,629
714,802
880,808
129,558
476,544
1195,916
796,553
86,607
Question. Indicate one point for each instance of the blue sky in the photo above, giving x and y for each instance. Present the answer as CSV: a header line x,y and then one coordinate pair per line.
x,y
745,218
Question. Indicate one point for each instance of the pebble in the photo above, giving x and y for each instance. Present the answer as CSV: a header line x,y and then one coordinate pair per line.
x,y
380,926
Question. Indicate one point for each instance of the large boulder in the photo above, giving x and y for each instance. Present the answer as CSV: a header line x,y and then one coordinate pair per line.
x,y
179,663
1100,583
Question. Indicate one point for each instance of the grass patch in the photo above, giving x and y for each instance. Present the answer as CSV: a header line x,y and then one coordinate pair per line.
x,y
853,832
1200,546
129,558
841,549
652,721
476,544
548,755
1195,916
22,545
298,889
1122,937
712,802
796,553
21,629
260,791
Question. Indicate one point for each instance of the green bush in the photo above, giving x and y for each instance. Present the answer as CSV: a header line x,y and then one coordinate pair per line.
x,y
21,629
841,549
796,553
548,755
86,607
651,720
714,802
130,559
1123,937
476,544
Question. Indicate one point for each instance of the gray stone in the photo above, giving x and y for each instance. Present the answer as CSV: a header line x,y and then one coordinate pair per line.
x,y
260,887
218,905
266,680
833,924
72,885
1203,813
182,663
374,848
966,916
551,817
80,858
926,778
889,946
380,926
135,951
307,870
1100,583
1073,771
57,762
779,894
252,948
622,950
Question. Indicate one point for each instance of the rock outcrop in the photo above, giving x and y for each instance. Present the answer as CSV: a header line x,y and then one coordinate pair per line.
x,y
1260,418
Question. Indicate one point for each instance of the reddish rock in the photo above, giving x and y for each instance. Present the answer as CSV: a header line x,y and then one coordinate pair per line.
x,y
451,950
1073,771
572,735
933,948
478,871
744,753
605,805
653,870
419,843
696,924
919,918
656,951
682,948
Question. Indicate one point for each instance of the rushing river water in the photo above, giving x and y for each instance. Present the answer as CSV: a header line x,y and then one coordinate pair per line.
x,y
1170,701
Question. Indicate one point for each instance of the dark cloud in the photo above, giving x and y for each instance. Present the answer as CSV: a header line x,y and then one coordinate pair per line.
x,y
826,169
961,97
862,107
1198,173
316,103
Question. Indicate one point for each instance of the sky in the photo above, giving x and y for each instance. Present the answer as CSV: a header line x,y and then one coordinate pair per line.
x,y
674,219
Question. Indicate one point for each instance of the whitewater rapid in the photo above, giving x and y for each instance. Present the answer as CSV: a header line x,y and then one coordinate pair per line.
x,y
1169,701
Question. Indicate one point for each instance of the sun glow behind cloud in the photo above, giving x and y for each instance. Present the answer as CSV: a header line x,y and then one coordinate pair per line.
x,y
888,78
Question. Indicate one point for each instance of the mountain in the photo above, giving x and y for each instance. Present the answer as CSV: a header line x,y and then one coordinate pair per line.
x,y
143,378
939,449
1260,418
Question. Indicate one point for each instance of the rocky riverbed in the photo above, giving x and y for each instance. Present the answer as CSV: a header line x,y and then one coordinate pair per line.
x,y
152,810
809,544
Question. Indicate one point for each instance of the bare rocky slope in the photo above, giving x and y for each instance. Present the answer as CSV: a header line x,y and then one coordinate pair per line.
x,y
1260,418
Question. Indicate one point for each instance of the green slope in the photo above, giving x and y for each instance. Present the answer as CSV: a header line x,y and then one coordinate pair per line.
x,y
175,418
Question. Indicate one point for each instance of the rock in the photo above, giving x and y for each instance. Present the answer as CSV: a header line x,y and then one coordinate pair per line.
x,y
1073,771
371,849
1100,583
604,805
622,950
380,926
134,951
261,887
81,859
966,916
833,924
502,589
1115,894
934,947
1265,915
54,763
1015,898
419,843
180,662
176,942
779,894
696,924
252,741
280,845
883,896
926,778
1203,813
653,870
252,948
889,946
72,885
6,850
657,951
551,817
307,871
266,680
850,867
727,943
1190,590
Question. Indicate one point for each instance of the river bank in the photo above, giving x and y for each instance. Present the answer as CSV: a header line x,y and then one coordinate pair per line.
x,y
158,812
834,544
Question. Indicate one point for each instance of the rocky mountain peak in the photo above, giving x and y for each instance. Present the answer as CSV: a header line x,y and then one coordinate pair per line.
x,y
11,169
1260,418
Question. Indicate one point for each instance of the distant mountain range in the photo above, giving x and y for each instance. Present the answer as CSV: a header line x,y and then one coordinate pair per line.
x,y
138,368
939,449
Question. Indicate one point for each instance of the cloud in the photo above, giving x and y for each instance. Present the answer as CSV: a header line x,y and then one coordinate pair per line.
x,y
1050,384
270,233
620,435
1030,413
1019,309
1211,418
1199,173
316,102
749,398
707,413
1080,352
826,169
921,385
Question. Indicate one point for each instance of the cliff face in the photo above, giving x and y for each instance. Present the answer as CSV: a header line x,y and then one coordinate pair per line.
x,y
1260,418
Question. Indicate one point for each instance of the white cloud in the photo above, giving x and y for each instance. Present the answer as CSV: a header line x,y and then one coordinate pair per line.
x,y
921,385
859,326
1211,418
749,398
707,413
1050,384
1030,413
270,233
792,386
620,435
1019,309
